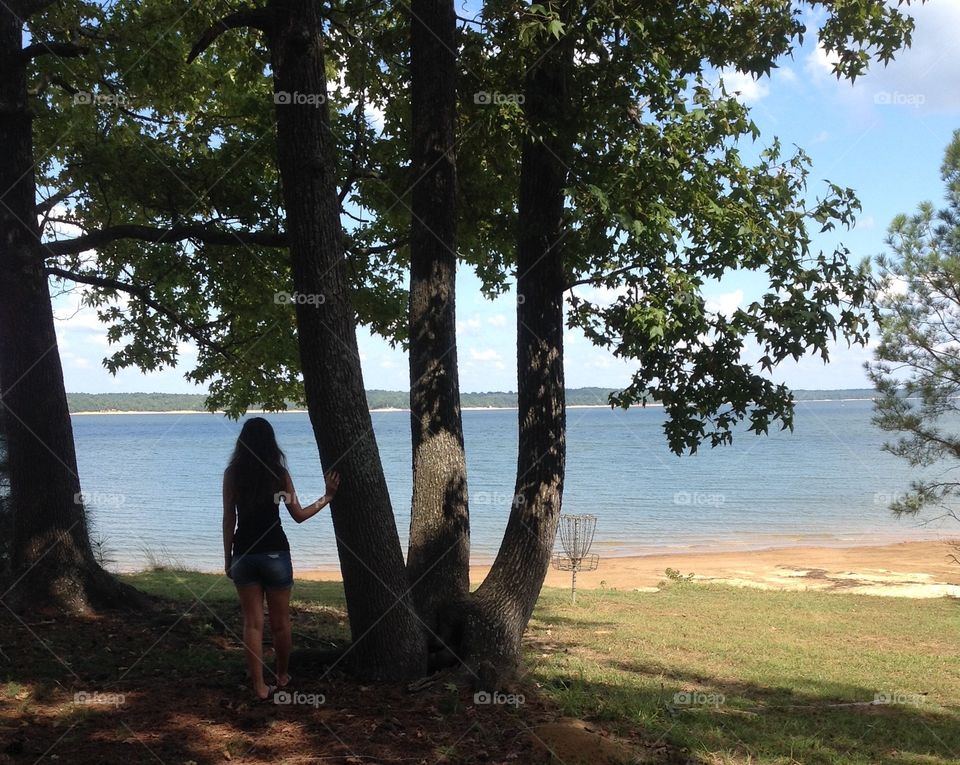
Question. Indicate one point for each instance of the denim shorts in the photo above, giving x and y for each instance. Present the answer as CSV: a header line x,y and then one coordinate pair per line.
x,y
271,570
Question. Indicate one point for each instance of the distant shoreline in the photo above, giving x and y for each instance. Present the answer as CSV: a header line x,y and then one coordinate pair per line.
x,y
304,411
654,405
378,400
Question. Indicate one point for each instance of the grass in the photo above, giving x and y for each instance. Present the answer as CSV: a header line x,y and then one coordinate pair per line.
x,y
769,677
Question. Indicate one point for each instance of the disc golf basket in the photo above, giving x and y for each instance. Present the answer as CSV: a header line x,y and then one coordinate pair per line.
x,y
576,538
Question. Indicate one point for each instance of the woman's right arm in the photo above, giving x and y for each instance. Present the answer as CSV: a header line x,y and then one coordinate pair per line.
x,y
229,522
300,513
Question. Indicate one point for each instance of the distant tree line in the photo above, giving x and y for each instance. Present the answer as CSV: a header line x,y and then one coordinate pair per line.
x,y
383,399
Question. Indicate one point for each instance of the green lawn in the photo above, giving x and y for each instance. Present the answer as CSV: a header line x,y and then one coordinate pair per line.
x,y
769,677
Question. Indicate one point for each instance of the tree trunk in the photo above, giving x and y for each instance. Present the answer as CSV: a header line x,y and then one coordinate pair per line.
x,y
6,521
52,564
438,561
503,604
388,641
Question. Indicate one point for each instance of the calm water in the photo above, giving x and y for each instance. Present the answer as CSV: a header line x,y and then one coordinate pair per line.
x,y
153,483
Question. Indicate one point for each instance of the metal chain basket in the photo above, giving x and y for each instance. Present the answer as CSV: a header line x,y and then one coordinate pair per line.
x,y
576,538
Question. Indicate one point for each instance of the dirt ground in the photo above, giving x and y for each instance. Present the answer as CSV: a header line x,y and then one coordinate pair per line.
x,y
169,688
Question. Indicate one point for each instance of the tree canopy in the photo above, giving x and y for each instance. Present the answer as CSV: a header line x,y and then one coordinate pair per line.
x,y
661,197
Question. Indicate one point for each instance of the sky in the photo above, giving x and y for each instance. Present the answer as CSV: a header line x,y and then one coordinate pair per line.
x,y
883,136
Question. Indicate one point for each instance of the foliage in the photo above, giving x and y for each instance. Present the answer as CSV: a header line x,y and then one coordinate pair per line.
x,y
662,198
917,367
167,143
675,577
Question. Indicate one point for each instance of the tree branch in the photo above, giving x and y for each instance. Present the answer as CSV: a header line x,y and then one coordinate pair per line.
x,y
59,49
597,280
257,18
52,201
196,232
378,249
175,233
143,293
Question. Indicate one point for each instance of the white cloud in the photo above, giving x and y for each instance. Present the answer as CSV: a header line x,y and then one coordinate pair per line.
x,y
468,326
600,296
497,320
930,68
785,73
487,354
725,302
924,77
820,63
746,87
71,358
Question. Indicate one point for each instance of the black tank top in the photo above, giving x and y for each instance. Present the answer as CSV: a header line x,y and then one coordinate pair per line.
x,y
258,528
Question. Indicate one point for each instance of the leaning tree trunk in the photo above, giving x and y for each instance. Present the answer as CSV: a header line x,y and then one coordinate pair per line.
x,y
502,605
388,641
52,564
438,561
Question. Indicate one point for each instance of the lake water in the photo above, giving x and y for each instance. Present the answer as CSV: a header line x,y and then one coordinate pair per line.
x,y
152,483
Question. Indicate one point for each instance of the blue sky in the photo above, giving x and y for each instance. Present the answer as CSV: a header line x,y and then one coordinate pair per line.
x,y
884,136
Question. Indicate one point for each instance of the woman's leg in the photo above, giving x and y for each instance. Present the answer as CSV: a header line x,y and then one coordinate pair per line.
x,y
251,602
278,603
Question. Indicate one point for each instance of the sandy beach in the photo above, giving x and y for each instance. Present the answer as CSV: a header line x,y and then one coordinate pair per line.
x,y
905,569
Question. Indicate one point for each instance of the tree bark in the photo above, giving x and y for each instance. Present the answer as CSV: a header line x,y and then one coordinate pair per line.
x,y
438,560
52,564
501,607
388,641
6,524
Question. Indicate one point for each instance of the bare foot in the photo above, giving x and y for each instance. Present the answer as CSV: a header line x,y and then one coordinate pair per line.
x,y
265,691
283,680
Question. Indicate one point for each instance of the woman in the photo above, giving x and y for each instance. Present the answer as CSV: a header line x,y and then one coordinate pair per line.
x,y
255,549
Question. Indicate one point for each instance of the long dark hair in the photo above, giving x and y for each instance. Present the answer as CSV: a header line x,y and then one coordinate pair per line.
x,y
257,468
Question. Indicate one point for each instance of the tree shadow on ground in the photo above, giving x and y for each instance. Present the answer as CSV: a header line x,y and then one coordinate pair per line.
x,y
739,721
170,686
